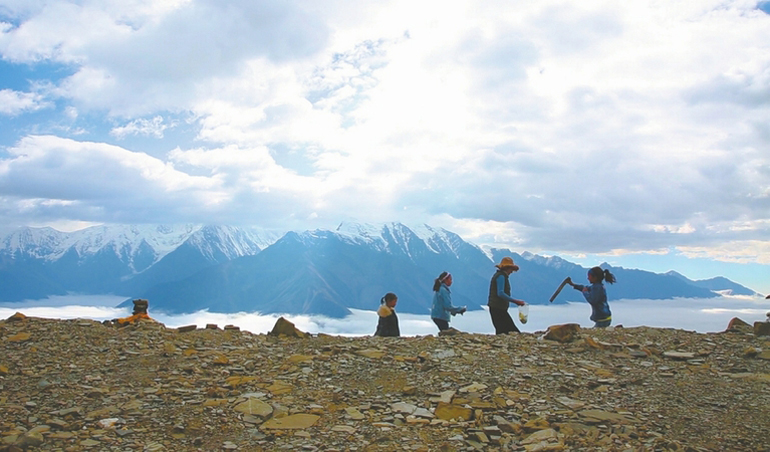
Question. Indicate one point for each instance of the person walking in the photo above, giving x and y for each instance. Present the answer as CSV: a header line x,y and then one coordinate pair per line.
x,y
442,302
387,323
500,297
596,295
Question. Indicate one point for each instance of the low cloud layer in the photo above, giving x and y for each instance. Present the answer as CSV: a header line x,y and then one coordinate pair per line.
x,y
577,128
701,315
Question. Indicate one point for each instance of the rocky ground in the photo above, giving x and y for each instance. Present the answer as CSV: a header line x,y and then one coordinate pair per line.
x,y
83,385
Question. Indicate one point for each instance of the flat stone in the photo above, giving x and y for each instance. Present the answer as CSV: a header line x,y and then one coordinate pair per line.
x,y
570,403
294,421
548,435
300,358
475,387
371,353
445,397
536,424
352,413
423,412
679,355
448,411
254,407
19,337
604,416
234,382
344,429
280,387
404,408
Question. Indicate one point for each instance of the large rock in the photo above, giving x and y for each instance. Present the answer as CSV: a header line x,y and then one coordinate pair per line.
x,y
738,324
761,328
285,328
17,317
567,332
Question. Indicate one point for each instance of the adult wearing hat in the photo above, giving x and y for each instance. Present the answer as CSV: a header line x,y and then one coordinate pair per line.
x,y
500,297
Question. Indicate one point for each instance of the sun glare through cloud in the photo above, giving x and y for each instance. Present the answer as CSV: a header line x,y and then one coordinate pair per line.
x,y
577,129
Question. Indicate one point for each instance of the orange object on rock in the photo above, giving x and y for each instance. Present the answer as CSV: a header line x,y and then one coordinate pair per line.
x,y
134,318
140,313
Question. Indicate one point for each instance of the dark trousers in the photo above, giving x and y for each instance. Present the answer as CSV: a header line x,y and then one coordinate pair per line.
x,y
441,324
502,321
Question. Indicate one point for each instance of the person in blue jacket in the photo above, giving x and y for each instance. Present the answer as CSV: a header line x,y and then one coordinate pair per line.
x,y
596,295
442,302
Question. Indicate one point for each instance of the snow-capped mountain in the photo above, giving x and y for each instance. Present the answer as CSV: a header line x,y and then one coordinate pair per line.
x,y
116,258
330,271
399,238
128,241
230,269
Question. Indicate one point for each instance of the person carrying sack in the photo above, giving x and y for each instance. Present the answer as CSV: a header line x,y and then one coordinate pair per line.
x,y
500,297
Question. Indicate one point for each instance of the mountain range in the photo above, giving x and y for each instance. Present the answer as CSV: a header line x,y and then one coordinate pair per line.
x,y
231,269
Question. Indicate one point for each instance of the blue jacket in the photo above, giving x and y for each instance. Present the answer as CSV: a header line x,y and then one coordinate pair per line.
x,y
596,296
442,304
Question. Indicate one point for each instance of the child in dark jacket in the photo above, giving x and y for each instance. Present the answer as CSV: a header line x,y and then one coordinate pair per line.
x,y
387,323
596,295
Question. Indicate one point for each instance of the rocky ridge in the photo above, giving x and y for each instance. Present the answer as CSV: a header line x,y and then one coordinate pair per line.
x,y
72,385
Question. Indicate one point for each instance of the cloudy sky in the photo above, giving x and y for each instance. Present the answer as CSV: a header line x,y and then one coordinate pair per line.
x,y
636,133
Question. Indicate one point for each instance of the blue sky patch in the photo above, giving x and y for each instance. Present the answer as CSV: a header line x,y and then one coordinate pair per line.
x,y
19,76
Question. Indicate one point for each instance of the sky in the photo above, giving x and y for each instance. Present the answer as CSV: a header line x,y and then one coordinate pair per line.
x,y
709,315
636,133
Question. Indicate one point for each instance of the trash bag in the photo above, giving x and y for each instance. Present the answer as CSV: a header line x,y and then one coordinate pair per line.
x,y
523,313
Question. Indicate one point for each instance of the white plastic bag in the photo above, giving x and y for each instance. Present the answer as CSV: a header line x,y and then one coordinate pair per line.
x,y
524,313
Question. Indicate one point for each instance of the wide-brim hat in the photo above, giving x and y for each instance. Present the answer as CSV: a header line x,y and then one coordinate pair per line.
x,y
507,262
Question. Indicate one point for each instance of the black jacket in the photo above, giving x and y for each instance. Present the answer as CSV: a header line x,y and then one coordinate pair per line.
x,y
494,300
387,325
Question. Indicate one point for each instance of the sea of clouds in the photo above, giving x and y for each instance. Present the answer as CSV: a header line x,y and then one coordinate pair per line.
x,y
694,314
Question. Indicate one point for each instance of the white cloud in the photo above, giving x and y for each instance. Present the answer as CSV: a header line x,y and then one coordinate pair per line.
x,y
147,127
591,127
702,315
15,102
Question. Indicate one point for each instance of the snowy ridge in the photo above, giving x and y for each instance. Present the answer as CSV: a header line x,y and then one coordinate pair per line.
x,y
550,261
128,240
231,241
123,240
397,237
35,242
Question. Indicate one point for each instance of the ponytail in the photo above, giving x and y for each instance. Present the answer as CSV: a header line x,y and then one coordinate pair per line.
x,y
388,296
437,281
602,275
